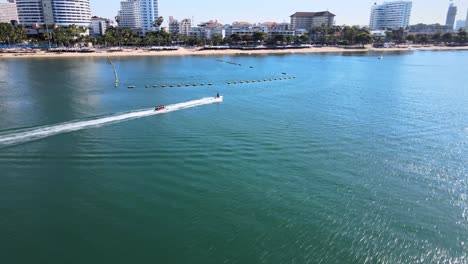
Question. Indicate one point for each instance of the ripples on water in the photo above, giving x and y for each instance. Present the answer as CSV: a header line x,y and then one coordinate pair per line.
x,y
356,161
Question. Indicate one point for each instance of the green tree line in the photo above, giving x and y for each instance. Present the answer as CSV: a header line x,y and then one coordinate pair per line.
x,y
325,35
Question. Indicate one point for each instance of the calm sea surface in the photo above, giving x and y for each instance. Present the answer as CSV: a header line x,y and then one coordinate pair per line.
x,y
357,160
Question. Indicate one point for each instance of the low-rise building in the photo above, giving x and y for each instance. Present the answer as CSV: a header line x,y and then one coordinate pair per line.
x,y
308,20
429,29
207,30
183,27
99,26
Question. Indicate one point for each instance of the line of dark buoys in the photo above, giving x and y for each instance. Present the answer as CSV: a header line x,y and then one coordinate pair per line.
x,y
210,84
264,80
233,63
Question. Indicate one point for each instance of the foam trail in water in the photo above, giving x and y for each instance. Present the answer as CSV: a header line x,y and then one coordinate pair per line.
x,y
47,131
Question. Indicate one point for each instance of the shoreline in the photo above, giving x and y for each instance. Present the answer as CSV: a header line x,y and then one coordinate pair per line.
x,y
102,53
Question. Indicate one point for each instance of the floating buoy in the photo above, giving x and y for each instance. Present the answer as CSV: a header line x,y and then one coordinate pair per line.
x,y
265,80
210,84
229,83
179,85
147,86
241,81
284,73
259,80
131,87
235,82
187,85
163,85
194,84
155,86
247,81
171,85
253,80
251,67
202,84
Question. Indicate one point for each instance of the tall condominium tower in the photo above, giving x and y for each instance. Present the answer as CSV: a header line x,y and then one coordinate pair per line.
x,y
466,21
59,12
130,14
139,14
390,15
149,13
451,15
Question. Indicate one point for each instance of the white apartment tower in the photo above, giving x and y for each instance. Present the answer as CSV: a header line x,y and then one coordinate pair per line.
x,y
139,14
390,15
130,14
8,12
58,12
185,27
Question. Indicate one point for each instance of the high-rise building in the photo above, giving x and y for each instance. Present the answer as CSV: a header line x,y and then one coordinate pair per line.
x,y
149,13
308,20
139,14
58,12
130,14
8,12
390,15
451,15
466,21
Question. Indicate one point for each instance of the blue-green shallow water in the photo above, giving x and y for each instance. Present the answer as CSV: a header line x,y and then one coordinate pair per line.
x,y
358,160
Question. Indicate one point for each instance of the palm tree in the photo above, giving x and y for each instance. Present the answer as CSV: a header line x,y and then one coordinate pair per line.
x,y
447,37
158,22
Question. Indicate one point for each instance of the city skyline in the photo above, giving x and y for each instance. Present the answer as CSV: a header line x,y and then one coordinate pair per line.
x,y
347,12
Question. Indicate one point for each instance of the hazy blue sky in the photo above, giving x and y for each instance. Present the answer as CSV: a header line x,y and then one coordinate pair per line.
x,y
352,12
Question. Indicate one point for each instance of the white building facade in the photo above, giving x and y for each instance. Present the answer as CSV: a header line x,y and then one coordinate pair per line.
x,y
139,14
390,15
8,12
130,14
98,26
58,12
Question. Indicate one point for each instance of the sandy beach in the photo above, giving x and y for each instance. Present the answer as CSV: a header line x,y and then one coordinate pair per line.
x,y
199,52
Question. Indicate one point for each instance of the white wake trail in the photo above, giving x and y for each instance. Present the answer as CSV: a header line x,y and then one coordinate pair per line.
x,y
47,131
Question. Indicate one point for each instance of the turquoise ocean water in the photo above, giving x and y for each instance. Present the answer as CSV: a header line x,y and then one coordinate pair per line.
x,y
356,160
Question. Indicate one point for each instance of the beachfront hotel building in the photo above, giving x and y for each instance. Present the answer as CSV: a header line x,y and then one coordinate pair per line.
x,y
451,15
130,14
149,13
58,12
182,27
139,14
390,15
8,12
99,26
308,20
